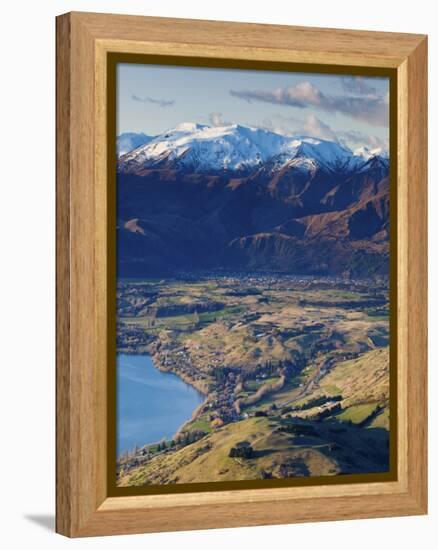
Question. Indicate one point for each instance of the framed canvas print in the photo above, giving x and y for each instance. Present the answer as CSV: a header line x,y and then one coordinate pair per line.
x,y
241,276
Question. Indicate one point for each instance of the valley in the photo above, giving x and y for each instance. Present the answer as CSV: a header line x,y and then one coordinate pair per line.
x,y
294,369
255,266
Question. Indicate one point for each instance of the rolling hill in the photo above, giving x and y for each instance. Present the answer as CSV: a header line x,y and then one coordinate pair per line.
x,y
291,440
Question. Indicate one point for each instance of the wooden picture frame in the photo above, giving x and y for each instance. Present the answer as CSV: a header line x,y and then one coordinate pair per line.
x,y
85,42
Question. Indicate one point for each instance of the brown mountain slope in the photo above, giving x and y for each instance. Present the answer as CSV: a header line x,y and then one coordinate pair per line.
x,y
363,220
293,219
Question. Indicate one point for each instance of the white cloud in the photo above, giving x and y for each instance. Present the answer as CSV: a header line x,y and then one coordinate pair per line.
x,y
310,126
355,139
216,119
372,108
357,85
313,126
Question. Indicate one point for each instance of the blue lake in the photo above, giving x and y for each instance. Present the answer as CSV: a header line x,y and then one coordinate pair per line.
x,y
151,405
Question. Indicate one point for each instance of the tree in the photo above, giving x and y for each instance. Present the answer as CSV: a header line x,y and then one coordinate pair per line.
x,y
243,449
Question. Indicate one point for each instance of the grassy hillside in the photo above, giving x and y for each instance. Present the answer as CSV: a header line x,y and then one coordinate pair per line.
x,y
363,384
280,450
298,437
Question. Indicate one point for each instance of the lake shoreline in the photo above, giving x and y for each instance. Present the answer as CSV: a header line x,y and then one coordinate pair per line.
x,y
150,351
187,380
154,363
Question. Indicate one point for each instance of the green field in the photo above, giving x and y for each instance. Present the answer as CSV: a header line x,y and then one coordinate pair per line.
x,y
357,413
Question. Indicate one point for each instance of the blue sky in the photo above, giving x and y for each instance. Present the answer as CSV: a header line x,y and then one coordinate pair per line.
x,y
352,110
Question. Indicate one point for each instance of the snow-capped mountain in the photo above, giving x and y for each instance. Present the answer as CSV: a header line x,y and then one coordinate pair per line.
x,y
242,198
203,148
129,141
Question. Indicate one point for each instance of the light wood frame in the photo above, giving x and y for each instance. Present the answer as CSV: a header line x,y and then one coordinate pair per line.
x,y
83,505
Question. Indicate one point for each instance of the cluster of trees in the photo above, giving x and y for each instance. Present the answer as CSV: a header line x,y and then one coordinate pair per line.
x,y
186,438
183,439
243,449
298,429
329,411
162,446
222,373
315,402
269,368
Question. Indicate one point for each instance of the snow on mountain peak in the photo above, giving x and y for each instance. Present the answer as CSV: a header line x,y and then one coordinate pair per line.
x,y
129,141
366,153
188,127
235,147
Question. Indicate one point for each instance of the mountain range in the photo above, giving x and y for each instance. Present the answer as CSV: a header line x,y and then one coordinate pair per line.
x,y
242,198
